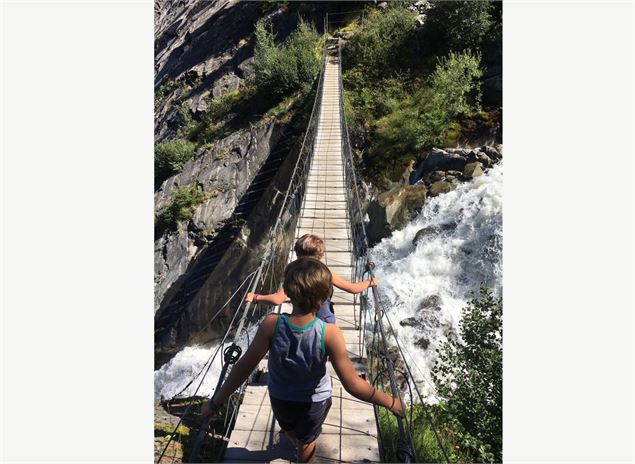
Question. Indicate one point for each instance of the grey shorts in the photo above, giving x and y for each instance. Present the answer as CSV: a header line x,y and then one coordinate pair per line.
x,y
303,419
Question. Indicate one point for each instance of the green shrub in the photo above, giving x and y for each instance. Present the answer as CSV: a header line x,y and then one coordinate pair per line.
x,y
281,70
381,45
170,157
427,447
455,84
468,374
459,25
184,201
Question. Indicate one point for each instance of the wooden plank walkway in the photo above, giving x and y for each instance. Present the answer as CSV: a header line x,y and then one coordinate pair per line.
x,y
349,433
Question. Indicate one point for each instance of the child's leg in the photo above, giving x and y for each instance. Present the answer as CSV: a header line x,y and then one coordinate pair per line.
x,y
306,452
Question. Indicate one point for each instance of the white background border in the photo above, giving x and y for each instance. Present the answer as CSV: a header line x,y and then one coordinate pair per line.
x,y
77,227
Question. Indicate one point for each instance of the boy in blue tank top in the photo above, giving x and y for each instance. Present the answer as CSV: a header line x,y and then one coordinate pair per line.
x,y
298,345
312,246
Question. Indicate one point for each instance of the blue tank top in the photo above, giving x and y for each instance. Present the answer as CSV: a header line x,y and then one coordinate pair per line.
x,y
325,312
297,362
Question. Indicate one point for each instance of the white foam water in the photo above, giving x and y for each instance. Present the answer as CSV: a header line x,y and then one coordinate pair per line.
x,y
174,375
450,263
463,249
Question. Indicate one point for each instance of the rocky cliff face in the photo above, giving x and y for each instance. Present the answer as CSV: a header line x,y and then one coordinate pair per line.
x,y
224,174
204,49
201,49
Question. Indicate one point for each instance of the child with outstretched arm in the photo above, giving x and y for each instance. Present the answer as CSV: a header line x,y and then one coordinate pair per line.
x,y
298,345
312,246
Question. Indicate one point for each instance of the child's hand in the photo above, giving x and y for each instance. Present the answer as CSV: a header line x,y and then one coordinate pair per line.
x,y
250,297
374,282
398,407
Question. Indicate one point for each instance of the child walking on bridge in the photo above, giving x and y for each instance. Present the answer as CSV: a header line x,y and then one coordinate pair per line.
x,y
312,246
298,344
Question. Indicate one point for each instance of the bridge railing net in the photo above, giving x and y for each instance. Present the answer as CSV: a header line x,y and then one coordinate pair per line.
x,y
387,364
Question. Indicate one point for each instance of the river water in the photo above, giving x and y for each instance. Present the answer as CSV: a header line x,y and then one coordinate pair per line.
x,y
462,249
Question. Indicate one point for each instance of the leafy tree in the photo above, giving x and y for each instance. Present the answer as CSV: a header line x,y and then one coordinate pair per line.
x,y
455,83
169,158
381,45
460,25
468,374
281,70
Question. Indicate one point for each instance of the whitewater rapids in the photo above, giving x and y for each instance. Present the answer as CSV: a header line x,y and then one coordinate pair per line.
x,y
463,249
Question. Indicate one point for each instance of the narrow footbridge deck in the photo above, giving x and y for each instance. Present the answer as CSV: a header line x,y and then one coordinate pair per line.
x,y
349,433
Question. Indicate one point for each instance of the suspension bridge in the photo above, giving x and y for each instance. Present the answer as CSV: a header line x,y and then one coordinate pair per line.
x,y
322,199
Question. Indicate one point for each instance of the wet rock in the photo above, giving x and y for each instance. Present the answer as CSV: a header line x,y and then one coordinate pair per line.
x,y
410,322
441,160
422,342
485,160
441,186
430,302
422,233
438,175
432,230
472,170
492,152
393,209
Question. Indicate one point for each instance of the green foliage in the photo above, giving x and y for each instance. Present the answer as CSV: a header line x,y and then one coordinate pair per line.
x,y
425,442
460,24
468,374
184,201
407,117
167,87
210,126
169,158
281,70
381,45
455,83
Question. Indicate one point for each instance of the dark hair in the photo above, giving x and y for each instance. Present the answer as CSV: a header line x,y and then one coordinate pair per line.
x,y
309,245
307,282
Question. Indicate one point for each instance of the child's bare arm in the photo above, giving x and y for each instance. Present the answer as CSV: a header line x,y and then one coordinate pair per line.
x,y
274,298
356,386
247,363
353,287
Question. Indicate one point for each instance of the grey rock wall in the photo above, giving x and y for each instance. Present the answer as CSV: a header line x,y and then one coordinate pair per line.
x,y
223,173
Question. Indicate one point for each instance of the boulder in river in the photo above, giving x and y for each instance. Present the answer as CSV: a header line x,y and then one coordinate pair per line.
x,y
409,322
444,160
393,209
432,230
472,170
441,186
423,342
430,302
